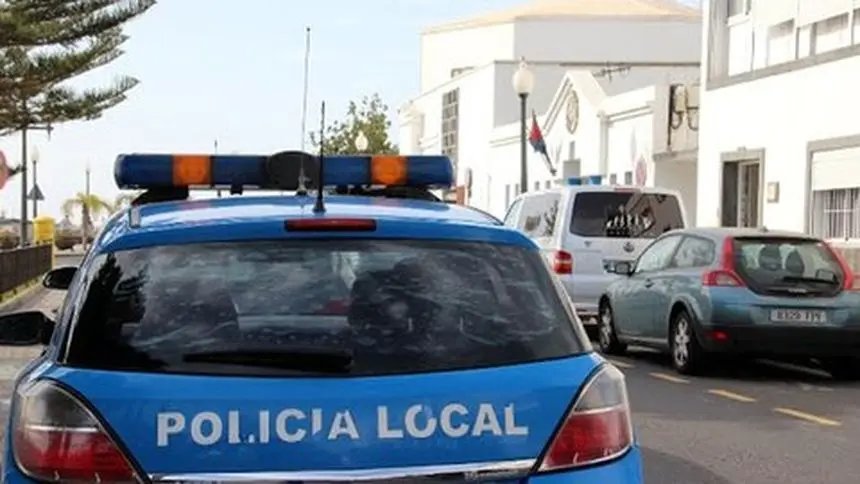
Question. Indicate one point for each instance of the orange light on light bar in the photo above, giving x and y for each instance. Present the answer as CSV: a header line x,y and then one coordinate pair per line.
x,y
388,170
192,170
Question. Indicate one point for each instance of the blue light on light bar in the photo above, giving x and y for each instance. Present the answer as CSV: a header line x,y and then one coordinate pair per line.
x,y
585,180
143,171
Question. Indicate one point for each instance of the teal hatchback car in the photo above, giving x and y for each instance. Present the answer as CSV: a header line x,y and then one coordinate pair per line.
x,y
700,292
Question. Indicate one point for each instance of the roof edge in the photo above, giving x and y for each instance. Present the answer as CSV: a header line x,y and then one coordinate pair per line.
x,y
480,23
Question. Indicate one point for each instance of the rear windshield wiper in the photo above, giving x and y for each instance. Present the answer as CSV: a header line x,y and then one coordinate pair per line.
x,y
315,360
813,280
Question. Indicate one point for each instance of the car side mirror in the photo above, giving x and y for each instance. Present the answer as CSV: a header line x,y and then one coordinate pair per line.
x,y
623,268
27,328
59,278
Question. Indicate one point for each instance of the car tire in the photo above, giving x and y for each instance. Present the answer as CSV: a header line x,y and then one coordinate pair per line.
x,y
685,352
607,338
842,369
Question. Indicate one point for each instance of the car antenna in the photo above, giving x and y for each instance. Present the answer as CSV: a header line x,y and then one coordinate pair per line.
x,y
319,207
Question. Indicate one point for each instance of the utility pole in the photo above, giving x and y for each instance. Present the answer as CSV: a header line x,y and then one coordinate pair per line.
x,y
85,209
25,239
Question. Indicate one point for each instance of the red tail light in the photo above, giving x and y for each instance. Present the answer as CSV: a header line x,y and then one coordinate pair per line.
x,y
562,262
330,225
335,307
598,427
851,281
726,275
56,438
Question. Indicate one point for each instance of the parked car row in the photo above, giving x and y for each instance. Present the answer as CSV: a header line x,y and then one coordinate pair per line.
x,y
639,276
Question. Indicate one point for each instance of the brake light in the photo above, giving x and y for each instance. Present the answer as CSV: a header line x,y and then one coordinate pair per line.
x,y
726,275
330,225
598,428
851,282
562,262
57,438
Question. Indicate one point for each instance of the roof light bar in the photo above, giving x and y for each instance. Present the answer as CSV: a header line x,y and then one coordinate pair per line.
x,y
148,171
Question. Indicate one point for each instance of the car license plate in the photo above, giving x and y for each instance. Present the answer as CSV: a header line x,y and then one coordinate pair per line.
x,y
798,316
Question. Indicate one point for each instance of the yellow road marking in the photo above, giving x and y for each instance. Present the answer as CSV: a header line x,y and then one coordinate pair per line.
x,y
621,364
808,417
731,395
669,378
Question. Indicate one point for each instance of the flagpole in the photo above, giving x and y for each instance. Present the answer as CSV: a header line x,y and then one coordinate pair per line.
x,y
301,187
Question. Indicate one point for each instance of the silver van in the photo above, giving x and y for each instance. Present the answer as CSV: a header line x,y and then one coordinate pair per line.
x,y
585,229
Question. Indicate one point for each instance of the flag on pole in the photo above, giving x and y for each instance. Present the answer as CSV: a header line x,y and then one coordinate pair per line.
x,y
539,143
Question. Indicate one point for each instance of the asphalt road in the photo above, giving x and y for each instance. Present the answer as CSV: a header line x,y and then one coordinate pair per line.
x,y
754,423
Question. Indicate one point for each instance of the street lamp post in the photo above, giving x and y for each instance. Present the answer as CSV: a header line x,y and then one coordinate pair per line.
x,y
361,142
524,82
34,157
25,240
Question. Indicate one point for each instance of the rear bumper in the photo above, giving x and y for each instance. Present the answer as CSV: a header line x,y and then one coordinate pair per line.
x,y
781,341
626,470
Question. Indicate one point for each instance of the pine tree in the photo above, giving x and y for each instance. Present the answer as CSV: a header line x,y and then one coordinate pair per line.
x,y
44,43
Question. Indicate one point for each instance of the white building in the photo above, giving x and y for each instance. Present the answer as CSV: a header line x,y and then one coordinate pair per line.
x,y
598,125
467,67
780,139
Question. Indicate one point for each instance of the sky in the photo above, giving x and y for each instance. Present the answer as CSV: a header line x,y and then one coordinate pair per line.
x,y
231,71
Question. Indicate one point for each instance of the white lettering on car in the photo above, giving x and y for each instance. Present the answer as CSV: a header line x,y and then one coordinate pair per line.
x,y
293,425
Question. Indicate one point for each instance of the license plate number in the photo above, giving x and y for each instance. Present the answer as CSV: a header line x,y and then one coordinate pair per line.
x,y
798,316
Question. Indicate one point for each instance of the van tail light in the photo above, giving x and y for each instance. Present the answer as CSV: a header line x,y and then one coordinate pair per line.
x,y
56,438
726,275
562,262
851,281
597,429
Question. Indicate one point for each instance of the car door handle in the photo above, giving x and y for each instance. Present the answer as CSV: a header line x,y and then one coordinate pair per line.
x,y
649,283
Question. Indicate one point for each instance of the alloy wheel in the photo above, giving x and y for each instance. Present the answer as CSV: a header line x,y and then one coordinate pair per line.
x,y
605,330
681,343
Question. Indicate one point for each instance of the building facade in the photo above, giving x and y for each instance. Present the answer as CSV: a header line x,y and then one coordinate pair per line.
x,y
780,133
467,68
596,126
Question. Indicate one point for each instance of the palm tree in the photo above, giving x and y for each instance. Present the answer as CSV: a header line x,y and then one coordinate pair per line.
x,y
90,205
122,201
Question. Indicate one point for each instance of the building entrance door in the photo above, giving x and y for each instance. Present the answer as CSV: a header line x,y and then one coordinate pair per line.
x,y
741,198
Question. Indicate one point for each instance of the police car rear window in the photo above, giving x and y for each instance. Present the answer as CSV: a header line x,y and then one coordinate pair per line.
x,y
625,214
345,307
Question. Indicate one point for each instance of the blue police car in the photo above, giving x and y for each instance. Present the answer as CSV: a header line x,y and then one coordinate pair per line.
x,y
368,334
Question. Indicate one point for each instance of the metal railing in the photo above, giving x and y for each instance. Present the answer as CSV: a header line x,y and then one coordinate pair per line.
x,y
22,265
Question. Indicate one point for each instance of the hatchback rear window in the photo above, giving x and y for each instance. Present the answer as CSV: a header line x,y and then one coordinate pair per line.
x,y
625,214
348,307
786,265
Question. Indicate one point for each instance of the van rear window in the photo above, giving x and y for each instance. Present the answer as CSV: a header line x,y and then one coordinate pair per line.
x,y
345,307
625,214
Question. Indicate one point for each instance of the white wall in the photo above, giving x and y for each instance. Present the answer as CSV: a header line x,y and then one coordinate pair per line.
x,y
780,114
609,40
681,175
598,41
443,51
